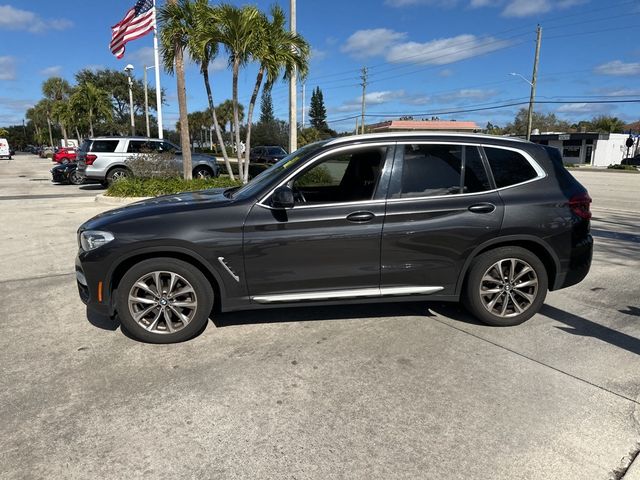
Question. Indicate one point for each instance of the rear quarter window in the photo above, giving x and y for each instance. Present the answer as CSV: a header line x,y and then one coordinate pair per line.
x,y
104,146
509,167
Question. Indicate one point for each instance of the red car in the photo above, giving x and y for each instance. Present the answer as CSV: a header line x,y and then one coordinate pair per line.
x,y
65,155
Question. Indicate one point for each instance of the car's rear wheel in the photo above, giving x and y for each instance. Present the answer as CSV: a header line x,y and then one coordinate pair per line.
x,y
164,300
75,178
202,172
116,174
505,286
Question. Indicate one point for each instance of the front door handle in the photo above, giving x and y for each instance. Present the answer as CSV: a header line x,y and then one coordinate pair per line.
x,y
482,208
360,217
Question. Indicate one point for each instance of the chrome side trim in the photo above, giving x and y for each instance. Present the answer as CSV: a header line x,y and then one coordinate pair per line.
x,y
228,269
337,294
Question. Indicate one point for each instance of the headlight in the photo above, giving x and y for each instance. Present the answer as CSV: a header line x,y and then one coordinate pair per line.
x,y
92,239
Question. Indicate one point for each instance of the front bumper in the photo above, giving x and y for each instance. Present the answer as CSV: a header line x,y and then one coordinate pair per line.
x,y
91,287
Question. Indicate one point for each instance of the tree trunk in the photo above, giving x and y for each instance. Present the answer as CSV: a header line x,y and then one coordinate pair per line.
x,y
185,142
236,118
91,122
207,84
50,134
64,133
78,135
252,104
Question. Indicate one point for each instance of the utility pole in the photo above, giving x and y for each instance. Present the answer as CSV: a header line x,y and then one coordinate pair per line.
x,y
293,107
534,80
303,99
363,77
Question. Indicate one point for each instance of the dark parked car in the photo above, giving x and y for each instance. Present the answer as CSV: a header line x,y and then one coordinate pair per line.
x,y
374,218
635,161
267,154
67,173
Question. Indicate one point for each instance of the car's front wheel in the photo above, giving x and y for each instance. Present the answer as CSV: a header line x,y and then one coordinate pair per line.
x,y
202,172
505,286
164,300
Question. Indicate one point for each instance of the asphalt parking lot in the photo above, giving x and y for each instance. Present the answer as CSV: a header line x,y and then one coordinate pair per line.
x,y
416,391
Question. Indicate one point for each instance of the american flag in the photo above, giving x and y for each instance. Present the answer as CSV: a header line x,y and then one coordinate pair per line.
x,y
137,22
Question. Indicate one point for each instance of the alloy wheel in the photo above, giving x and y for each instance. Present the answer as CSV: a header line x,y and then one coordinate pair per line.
x,y
509,287
162,302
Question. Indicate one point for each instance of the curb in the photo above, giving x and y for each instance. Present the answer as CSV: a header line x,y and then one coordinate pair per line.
x,y
104,200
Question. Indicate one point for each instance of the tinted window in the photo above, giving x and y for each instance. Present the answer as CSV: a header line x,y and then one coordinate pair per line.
x,y
342,177
104,146
137,146
509,167
430,170
276,151
475,176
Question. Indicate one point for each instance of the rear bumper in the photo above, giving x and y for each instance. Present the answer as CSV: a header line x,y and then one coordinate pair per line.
x,y
579,264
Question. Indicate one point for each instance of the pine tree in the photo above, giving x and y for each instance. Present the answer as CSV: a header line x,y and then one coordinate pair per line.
x,y
317,110
266,107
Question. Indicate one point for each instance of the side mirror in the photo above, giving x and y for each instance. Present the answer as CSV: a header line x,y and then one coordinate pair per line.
x,y
282,198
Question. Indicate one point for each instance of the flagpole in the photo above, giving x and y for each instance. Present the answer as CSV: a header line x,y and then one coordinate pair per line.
x,y
157,60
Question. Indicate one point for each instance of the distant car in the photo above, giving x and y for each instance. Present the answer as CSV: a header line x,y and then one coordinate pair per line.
x,y
635,161
268,154
65,155
104,159
45,151
5,151
66,173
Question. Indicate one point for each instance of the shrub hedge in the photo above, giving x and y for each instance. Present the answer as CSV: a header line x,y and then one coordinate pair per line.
x,y
152,187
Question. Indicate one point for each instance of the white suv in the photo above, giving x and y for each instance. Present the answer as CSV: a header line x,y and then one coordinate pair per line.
x,y
103,158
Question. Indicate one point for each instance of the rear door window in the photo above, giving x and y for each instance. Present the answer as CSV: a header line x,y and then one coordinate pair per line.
x,y
430,170
509,167
104,146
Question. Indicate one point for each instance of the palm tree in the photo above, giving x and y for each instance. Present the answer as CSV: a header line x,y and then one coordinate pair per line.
x,y
203,48
93,100
57,90
176,21
238,28
276,49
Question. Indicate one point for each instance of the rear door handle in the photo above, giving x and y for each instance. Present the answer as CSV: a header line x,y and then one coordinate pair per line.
x,y
482,208
360,217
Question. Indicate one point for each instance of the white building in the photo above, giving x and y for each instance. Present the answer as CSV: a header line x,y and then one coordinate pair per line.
x,y
597,149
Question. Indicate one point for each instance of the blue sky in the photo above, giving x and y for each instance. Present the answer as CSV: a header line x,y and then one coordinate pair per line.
x,y
423,56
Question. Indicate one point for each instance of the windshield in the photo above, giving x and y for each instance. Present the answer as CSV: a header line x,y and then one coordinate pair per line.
x,y
270,174
276,151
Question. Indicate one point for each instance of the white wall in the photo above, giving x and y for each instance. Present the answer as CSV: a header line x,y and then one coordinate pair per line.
x,y
611,151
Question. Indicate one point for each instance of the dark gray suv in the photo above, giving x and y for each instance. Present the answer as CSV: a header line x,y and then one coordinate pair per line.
x,y
493,222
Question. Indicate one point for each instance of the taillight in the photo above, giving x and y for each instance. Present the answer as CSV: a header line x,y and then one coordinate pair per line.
x,y
89,159
581,205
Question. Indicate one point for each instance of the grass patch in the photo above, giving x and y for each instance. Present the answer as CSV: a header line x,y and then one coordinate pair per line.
x,y
152,187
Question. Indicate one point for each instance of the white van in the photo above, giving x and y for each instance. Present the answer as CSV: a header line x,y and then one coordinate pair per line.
x,y
4,149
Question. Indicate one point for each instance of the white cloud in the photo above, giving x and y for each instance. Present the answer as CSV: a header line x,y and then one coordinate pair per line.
x,y
618,68
466,94
53,71
584,108
7,68
140,57
409,3
444,51
15,19
372,98
618,92
219,64
525,8
485,3
318,55
447,72
369,43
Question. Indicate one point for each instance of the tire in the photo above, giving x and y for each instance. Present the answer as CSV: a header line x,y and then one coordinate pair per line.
x,y
202,172
514,297
164,323
75,178
116,174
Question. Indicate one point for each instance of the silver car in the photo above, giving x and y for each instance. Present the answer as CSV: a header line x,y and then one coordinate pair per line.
x,y
104,159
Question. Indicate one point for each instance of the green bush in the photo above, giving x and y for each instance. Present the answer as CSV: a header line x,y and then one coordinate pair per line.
x,y
622,167
154,165
152,187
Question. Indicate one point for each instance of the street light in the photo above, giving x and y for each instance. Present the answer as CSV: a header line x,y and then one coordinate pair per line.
x,y
531,100
514,74
128,69
146,99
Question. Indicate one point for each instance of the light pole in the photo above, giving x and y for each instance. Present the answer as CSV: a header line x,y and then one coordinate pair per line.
x,y
293,108
146,99
531,100
129,69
